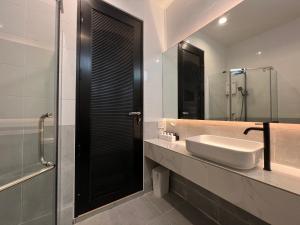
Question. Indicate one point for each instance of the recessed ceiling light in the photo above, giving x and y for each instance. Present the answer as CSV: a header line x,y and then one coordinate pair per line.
x,y
1,26
222,20
157,60
258,53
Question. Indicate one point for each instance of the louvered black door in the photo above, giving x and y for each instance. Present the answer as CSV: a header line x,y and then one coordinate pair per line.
x,y
109,88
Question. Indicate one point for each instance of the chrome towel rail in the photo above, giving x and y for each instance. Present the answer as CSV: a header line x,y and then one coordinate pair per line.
x,y
26,178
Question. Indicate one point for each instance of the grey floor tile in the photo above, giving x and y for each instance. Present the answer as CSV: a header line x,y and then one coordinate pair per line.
x,y
171,218
136,211
161,204
193,215
149,210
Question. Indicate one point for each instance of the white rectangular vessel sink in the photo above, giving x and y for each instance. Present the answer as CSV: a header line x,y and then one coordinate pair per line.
x,y
233,152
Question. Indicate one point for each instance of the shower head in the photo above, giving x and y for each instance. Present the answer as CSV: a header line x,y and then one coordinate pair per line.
x,y
238,71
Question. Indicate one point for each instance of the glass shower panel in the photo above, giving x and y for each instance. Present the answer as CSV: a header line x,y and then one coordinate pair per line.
x,y
259,95
262,95
28,78
217,99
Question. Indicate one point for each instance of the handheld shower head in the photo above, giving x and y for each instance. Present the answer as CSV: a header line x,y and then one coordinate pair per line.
x,y
243,92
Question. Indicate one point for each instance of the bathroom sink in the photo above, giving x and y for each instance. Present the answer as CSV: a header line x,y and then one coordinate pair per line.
x,y
233,152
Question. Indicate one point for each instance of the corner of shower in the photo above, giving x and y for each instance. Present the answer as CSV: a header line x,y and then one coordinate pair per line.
x,y
242,89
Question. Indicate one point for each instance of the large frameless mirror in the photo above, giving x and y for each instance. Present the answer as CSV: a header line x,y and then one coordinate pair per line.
x,y
240,67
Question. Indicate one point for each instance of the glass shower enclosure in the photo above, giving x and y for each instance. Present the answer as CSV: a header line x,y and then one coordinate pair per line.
x,y
28,111
252,94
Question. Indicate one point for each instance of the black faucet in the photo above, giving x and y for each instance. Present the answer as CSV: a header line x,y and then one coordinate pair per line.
x,y
267,150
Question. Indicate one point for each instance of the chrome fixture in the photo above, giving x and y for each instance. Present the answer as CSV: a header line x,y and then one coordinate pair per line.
x,y
26,178
237,71
42,139
138,115
267,150
47,165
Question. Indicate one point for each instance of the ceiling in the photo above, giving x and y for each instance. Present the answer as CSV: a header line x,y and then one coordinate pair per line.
x,y
252,17
164,3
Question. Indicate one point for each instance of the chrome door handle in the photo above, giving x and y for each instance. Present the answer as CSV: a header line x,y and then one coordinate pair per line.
x,y
134,113
185,113
42,139
138,115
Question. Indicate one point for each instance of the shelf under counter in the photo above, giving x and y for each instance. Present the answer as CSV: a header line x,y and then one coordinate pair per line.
x,y
272,196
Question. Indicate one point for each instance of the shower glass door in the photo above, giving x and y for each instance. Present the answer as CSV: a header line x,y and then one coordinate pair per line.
x,y
28,78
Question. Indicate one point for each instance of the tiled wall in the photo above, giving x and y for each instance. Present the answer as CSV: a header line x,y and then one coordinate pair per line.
x,y
285,138
219,210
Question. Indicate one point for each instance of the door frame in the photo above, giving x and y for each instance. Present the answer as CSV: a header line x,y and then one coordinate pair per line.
x,y
79,60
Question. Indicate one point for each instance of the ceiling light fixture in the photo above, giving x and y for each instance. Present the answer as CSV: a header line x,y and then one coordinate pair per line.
x,y
1,26
222,20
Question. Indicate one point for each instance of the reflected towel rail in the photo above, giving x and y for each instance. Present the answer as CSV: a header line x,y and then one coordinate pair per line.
x,y
26,178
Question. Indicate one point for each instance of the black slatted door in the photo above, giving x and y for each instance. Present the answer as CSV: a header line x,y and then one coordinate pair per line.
x,y
108,139
191,102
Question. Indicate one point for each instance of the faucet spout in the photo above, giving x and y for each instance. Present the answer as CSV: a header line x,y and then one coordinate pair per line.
x,y
267,150
253,128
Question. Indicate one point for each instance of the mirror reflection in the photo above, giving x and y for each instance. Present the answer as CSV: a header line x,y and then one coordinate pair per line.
x,y
240,67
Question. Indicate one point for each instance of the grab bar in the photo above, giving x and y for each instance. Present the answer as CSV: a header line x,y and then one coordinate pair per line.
x,y
42,139
25,178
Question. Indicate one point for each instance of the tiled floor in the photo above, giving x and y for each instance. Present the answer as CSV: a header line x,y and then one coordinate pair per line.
x,y
149,210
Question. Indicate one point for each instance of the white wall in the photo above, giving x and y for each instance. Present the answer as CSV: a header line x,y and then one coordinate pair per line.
x,y
280,48
186,17
170,83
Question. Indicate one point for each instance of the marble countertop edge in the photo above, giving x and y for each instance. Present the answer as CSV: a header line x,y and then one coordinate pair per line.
x,y
282,177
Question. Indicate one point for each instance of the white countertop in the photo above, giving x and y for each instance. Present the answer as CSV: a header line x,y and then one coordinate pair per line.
x,y
281,176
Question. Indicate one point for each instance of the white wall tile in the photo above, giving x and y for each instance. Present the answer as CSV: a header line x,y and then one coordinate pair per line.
x,y
70,11
68,112
9,11
12,53
34,107
11,107
12,79
68,71
69,35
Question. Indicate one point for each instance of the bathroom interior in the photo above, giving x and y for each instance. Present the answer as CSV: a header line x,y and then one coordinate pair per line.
x,y
149,112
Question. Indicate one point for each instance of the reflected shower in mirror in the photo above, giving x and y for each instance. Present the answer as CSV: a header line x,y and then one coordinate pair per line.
x,y
241,68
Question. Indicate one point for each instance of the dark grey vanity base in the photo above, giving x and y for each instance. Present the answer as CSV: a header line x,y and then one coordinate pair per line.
x,y
218,209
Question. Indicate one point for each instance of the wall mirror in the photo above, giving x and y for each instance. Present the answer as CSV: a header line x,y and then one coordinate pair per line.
x,y
243,66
